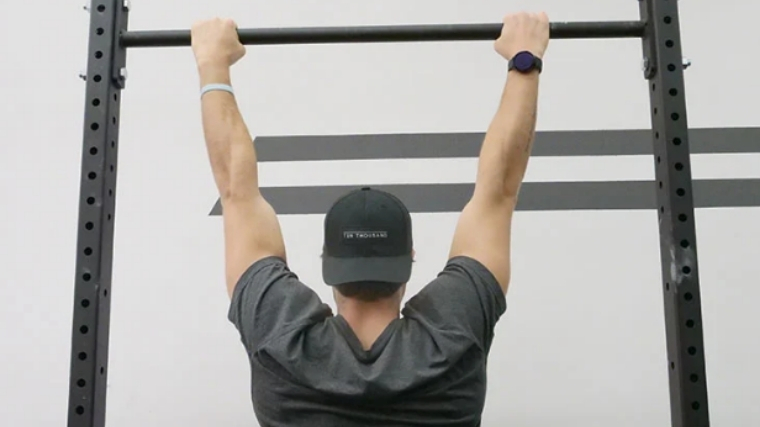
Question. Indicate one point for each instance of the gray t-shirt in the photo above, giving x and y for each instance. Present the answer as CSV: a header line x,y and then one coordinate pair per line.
x,y
309,369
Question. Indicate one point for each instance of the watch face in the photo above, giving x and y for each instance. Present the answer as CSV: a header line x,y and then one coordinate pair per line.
x,y
523,61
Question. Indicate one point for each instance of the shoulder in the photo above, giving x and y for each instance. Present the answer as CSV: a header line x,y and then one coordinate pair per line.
x,y
466,270
266,270
469,264
264,266
270,300
465,299
462,275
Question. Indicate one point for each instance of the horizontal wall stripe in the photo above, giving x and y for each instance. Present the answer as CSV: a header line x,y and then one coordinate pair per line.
x,y
451,171
540,196
448,145
464,170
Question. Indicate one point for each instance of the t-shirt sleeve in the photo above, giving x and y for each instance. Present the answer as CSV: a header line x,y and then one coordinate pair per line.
x,y
269,300
464,300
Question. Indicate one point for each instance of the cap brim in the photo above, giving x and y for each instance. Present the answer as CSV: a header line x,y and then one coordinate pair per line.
x,y
336,271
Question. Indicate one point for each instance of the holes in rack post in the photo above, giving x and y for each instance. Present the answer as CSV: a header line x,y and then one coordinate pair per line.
x,y
96,206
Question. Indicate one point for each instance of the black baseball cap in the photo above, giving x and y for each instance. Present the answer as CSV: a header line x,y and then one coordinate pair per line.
x,y
368,237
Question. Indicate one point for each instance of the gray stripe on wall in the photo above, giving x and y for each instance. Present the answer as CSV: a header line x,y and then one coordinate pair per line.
x,y
452,145
534,196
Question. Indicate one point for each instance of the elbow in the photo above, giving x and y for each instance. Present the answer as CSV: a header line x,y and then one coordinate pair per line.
x,y
511,187
241,183
496,194
500,183
231,194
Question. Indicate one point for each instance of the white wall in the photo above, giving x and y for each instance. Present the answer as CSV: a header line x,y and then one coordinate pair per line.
x,y
582,343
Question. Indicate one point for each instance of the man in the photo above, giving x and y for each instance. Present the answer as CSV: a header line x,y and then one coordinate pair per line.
x,y
372,364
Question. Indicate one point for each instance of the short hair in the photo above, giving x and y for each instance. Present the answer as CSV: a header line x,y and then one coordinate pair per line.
x,y
368,291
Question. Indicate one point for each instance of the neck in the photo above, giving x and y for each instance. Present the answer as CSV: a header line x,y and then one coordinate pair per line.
x,y
368,320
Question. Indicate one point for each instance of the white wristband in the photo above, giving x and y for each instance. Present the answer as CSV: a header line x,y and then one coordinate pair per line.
x,y
217,87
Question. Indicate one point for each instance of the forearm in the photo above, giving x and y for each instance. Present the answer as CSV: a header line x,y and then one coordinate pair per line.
x,y
509,140
229,144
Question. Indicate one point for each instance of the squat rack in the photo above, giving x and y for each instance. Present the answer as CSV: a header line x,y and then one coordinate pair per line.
x,y
109,39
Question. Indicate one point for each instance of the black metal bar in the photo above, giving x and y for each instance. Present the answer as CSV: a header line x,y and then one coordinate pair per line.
x,y
383,34
95,226
678,243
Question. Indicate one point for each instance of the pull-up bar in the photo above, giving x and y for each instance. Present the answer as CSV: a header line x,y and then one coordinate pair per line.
x,y
381,34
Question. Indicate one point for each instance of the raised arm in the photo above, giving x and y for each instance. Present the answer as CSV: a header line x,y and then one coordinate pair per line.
x,y
251,228
484,228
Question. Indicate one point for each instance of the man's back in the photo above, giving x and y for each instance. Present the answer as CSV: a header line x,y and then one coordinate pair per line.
x,y
310,369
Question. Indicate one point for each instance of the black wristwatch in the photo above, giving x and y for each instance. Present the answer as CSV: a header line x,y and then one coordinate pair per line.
x,y
525,62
